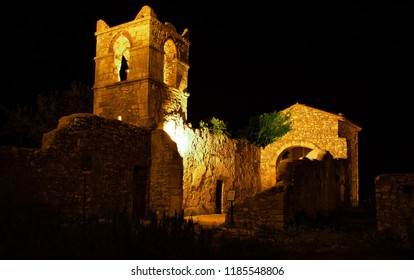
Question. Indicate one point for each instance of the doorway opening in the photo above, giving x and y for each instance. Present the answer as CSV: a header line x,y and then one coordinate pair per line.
x,y
139,204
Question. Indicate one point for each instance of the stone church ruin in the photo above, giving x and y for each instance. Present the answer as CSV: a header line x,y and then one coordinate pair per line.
x,y
137,153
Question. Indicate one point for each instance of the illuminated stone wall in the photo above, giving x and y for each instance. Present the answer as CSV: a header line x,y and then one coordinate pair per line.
x,y
395,203
155,58
320,132
211,160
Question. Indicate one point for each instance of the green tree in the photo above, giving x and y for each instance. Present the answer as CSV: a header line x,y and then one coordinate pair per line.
x,y
266,128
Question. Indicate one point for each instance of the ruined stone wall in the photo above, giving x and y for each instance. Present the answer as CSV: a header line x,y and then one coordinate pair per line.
x,y
210,158
395,202
266,210
166,187
321,184
53,176
309,187
316,186
113,148
20,179
350,132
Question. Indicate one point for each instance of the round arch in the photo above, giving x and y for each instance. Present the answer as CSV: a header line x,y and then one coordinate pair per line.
x,y
293,150
313,151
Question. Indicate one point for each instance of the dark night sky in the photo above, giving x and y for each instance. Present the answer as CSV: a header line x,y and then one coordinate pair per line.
x,y
352,57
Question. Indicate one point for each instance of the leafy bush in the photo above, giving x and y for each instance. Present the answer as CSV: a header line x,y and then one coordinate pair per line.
x,y
266,128
215,125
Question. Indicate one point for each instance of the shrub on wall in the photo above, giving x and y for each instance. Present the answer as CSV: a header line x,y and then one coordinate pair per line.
x,y
215,125
266,128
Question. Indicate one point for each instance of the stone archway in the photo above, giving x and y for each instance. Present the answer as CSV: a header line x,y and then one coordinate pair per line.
x,y
288,155
272,155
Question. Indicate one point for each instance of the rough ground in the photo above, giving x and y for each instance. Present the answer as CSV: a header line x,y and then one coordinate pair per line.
x,y
352,236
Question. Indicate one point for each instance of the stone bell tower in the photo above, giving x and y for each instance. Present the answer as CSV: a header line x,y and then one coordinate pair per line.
x,y
141,70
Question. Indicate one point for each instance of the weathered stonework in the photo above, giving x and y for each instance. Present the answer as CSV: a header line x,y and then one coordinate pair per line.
x,y
142,97
315,132
216,163
395,202
307,186
140,155
94,167
266,210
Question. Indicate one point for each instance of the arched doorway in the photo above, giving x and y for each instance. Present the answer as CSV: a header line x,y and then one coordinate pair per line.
x,y
288,155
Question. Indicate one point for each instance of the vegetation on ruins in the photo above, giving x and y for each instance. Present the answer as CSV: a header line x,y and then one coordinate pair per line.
x,y
266,128
216,126
262,130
